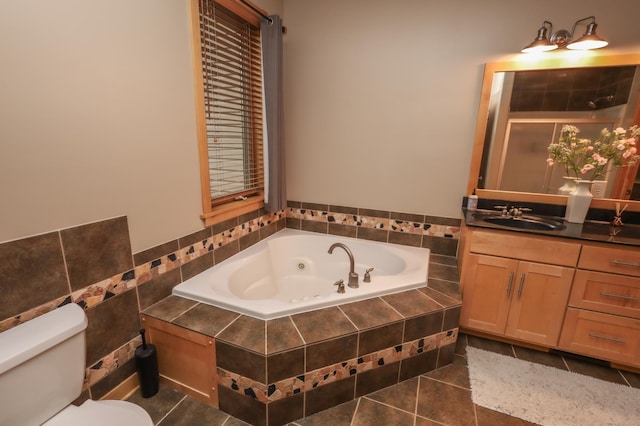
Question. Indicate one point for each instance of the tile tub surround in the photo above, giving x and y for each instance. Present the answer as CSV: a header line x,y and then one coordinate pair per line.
x,y
436,233
275,371
80,264
92,265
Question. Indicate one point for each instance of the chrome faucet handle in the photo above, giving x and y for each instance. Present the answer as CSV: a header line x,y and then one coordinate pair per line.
x,y
504,209
517,211
340,284
367,275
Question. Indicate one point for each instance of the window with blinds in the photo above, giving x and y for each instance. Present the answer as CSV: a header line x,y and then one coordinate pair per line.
x,y
232,85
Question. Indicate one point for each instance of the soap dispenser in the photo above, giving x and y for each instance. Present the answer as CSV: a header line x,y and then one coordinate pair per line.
x,y
472,202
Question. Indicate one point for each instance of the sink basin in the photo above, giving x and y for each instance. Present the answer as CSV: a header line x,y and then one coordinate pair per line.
x,y
523,222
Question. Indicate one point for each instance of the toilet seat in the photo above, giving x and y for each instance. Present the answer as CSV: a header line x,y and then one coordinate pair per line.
x,y
102,413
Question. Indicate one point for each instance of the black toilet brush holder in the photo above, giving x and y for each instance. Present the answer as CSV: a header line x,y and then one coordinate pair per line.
x,y
147,366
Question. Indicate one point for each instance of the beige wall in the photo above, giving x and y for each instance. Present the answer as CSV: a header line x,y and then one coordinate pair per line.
x,y
97,116
381,96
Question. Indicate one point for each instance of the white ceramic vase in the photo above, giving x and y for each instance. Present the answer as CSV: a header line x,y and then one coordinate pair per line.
x,y
599,188
568,186
578,202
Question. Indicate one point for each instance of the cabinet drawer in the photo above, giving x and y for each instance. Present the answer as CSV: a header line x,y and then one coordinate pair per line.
x,y
543,250
614,294
608,259
604,336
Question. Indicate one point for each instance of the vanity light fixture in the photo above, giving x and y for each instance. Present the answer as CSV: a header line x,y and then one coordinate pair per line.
x,y
542,42
563,38
589,40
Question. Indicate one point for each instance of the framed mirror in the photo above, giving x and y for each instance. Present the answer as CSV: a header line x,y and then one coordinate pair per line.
x,y
523,106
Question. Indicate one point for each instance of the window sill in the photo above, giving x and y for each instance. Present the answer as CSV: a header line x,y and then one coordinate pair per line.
x,y
232,209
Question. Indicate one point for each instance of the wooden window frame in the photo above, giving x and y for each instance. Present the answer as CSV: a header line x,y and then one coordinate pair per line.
x,y
215,212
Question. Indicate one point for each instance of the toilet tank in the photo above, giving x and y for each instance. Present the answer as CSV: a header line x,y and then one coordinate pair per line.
x,y
42,366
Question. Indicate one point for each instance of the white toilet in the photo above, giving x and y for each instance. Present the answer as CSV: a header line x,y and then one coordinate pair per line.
x,y
42,365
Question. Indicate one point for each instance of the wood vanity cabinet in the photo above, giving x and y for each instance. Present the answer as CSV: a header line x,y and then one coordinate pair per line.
x,y
516,286
603,317
578,296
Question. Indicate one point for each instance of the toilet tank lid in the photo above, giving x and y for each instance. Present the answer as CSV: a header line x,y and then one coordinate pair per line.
x,y
23,342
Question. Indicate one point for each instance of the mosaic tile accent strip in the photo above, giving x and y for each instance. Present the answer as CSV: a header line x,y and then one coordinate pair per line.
x,y
242,385
308,214
32,313
111,362
333,373
445,231
154,269
372,222
339,218
407,227
96,293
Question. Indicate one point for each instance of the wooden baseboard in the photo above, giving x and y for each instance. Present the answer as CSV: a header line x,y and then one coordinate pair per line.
x,y
124,389
187,390
625,367
504,339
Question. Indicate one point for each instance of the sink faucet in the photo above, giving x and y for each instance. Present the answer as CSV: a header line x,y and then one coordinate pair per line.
x,y
353,276
512,211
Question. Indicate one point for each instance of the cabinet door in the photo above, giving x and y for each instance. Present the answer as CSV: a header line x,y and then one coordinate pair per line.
x,y
487,293
540,298
186,359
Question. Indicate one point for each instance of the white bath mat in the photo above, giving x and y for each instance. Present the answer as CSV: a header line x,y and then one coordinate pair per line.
x,y
548,396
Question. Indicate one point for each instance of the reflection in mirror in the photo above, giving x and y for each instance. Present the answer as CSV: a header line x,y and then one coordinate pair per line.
x,y
523,108
529,108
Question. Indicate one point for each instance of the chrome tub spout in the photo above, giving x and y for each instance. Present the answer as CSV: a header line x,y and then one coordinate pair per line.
x,y
353,276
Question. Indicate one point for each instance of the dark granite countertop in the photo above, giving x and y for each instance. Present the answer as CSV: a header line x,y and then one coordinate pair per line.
x,y
628,235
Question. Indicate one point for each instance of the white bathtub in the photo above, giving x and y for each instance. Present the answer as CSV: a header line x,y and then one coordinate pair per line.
x,y
292,272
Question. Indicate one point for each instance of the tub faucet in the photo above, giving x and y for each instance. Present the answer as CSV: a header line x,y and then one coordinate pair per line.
x,y
367,275
353,276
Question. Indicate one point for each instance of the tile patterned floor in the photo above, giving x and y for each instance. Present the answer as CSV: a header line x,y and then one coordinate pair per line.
x,y
442,397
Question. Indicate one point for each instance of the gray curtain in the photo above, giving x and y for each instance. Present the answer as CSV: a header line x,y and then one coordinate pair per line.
x,y
275,191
